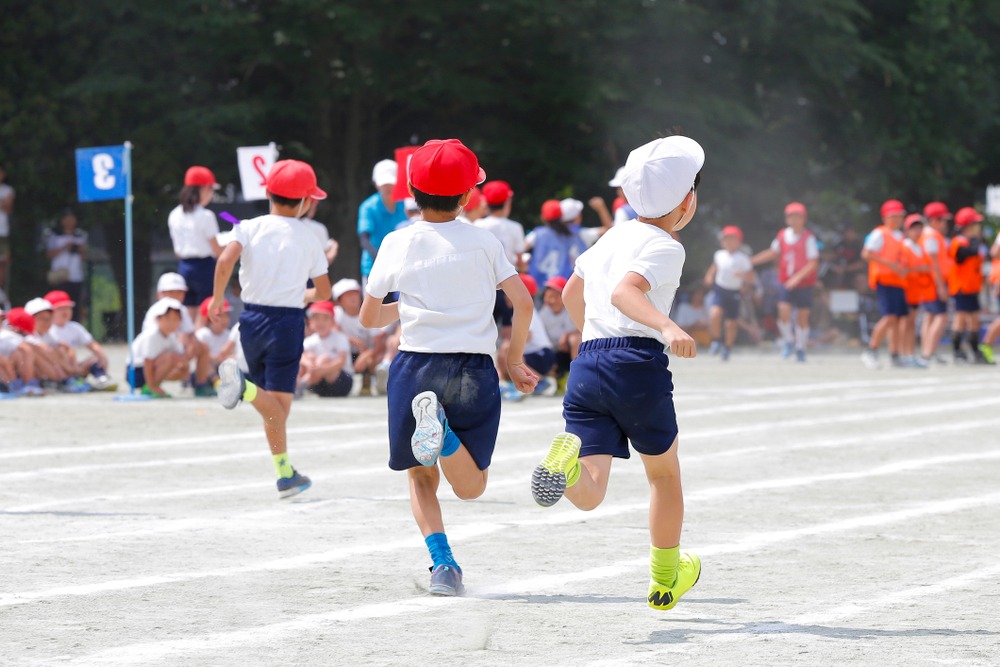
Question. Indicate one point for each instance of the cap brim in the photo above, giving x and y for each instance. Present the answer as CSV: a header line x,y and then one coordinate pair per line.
x,y
481,178
63,304
614,183
318,194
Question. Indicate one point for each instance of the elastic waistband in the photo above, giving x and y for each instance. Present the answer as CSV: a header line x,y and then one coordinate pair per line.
x,y
629,342
274,310
197,259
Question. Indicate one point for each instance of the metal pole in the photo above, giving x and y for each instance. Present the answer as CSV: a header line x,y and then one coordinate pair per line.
x,y
129,278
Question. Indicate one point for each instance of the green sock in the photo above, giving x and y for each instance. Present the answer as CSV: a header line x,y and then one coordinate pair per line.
x,y
250,393
573,474
663,564
282,466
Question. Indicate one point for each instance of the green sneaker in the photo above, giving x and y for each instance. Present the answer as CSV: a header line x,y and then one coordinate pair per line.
x,y
146,391
548,481
987,352
688,572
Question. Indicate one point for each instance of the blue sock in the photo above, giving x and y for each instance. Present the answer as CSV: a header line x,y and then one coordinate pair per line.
x,y
97,370
451,442
437,544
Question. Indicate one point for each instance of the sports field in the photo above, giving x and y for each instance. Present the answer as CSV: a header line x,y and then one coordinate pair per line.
x,y
842,516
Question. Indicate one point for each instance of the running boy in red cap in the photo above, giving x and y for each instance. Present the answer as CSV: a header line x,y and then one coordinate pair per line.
x,y
934,241
444,397
731,267
883,251
620,389
797,253
965,282
277,253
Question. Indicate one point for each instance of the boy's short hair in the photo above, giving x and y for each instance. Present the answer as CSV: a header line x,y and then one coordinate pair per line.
x,y
284,201
444,203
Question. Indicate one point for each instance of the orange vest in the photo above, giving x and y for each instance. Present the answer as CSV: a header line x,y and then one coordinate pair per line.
x,y
967,277
942,257
995,271
892,251
919,286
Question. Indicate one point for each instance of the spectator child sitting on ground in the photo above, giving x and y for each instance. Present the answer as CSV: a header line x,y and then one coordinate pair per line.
x,y
560,328
367,345
730,269
216,335
172,285
71,335
52,363
538,355
157,352
19,353
325,368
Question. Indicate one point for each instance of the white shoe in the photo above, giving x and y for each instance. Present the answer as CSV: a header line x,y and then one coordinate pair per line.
x,y
357,381
231,384
382,377
870,359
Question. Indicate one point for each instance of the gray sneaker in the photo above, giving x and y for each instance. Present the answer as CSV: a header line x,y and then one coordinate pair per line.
x,y
446,580
870,359
231,384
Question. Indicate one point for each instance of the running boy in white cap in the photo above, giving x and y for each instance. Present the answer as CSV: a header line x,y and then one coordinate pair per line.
x,y
444,398
620,389
278,253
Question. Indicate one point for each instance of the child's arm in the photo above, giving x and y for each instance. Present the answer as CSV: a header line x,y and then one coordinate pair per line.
x,y
321,290
764,256
630,298
600,207
522,376
153,382
375,314
799,275
98,351
710,275
573,300
223,272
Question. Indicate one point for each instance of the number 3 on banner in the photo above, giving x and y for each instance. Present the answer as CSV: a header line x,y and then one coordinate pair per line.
x,y
103,164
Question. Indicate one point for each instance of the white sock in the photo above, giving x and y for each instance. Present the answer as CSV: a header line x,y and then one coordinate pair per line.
x,y
785,328
801,339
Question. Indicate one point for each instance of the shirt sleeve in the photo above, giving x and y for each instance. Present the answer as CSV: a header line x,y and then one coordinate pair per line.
x,y
931,245
776,245
874,241
81,337
366,222
384,276
210,226
502,268
240,233
660,262
812,248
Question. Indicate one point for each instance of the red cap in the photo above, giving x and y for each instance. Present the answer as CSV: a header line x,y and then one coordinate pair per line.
x,y
203,308
913,219
497,192
795,207
445,167
963,218
732,230
892,207
475,199
551,210
199,176
293,179
937,209
19,319
618,203
529,282
58,299
321,307
558,283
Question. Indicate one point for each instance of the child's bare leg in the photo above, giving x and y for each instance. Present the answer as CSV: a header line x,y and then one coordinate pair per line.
x,y
590,489
731,330
666,498
574,340
423,499
466,479
274,407
715,322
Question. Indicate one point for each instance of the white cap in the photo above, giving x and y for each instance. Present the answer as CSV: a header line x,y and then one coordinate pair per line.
x,y
37,305
571,208
384,173
345,285
170,282
163,305
658,175
616,182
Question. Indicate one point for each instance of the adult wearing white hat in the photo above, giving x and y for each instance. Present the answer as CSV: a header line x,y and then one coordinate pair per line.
x,y
379,214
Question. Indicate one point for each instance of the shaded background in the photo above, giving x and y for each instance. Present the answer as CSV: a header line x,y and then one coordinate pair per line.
x,y
837,103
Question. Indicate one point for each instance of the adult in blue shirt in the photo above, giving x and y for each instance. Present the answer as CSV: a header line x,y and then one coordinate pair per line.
x,y
378,215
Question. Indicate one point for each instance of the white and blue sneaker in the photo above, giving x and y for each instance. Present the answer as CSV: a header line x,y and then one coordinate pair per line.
x,y
724,352
509,392
800,356
428,436
786,350
446,580
545,387
294,485
231,384
714,348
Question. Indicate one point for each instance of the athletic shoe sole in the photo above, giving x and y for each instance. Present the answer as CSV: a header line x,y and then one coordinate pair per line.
x,y
294,491
428,436
231,385
548,481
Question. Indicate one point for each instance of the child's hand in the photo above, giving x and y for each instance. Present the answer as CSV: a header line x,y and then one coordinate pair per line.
x,y
215,308
522,377
597,203
680,343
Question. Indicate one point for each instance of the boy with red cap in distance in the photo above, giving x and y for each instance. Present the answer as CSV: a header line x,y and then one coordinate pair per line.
x,y
620,389
918,288
499,200
18,324
560,328
731,268
934,241
797,253
444,398
965,281
555,244
476,208
277,255
216,335
326,360
883,250
72,335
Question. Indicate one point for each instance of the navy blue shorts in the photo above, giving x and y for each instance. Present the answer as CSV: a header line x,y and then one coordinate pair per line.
x,y
891,300
967,303
135,376
935,307
467,388
541,361
336,389
729,301
199,274
799,297
620,390
562,362
272,338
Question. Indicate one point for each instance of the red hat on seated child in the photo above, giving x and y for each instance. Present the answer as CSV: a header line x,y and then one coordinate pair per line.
x,y
59,298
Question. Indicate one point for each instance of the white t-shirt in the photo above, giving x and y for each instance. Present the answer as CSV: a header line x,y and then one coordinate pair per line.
x,y
9,342
636,247
187,324
556,324
728,265
351,326
812,248
687,315
510,234
279,256
538,338
320,230
67,260
332,346
214,341
5,192
152,343
447,275
192,232
72,334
